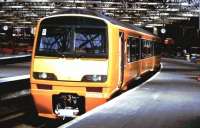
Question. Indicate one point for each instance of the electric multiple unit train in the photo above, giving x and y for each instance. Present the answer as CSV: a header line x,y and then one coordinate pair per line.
x,y
81,58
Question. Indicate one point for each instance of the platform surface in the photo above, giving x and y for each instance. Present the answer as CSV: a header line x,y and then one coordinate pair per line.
x,y
13,70
171,99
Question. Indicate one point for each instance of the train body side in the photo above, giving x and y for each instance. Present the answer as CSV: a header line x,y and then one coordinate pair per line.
x,y
140,65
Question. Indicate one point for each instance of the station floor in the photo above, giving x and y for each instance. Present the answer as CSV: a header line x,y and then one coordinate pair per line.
x,y
13,70
170,99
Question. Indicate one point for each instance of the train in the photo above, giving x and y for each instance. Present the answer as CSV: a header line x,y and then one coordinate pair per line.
x,y
81,58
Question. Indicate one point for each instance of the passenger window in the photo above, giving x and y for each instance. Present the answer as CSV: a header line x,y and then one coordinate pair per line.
x,y
152,48
143,49
147,49
132,49
157,49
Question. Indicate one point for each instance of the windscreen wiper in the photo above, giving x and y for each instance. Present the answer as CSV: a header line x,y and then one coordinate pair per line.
x,y
61,54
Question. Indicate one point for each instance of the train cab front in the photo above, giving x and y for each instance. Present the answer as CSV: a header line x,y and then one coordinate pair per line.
x,y
69,70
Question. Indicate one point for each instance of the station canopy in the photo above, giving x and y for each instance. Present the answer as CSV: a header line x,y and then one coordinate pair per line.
x,y
144,13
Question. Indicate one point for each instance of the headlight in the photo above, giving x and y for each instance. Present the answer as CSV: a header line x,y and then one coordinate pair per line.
x,y
44,76
94,78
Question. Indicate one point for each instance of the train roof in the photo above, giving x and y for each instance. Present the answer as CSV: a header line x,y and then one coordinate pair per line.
x,y
97,14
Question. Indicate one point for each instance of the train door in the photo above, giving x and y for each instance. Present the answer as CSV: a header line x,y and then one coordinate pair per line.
x,y
122,57
147,53
144,60
138,55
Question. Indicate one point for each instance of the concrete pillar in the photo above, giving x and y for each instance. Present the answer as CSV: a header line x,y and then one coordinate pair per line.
x,y
199,17
198,31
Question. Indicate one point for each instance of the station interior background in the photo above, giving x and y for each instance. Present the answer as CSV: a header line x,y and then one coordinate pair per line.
x,y
180,19
170,100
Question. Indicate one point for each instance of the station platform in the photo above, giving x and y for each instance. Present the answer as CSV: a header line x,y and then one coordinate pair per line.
x,y
14,67
12,70
170,99
14,84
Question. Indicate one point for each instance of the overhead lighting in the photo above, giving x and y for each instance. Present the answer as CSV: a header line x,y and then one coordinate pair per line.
x,y
144,17
195,10
178,3
149,26
164,14
139,9
137,14
172,9
2,34
31,15
26,22
2,20
157,25
43,7
5,28
109,14
169,9
125,20
105,8
73,7
154,17
147,20
37,0
188,15
185,4
159,14
8,22
19,6
154,25
147,3
8,15
126,17
178,18
138,24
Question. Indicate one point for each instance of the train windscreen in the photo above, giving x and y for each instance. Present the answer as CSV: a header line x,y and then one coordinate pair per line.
x,y
76,37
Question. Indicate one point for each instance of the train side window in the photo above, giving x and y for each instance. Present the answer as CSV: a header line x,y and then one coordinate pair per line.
x,y
143,49
128,50
147,49
132,49
157,49
150,48
137,48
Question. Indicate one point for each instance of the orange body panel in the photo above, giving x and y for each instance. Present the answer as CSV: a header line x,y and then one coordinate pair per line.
x,y
43,100
43,103
94,102
146,65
